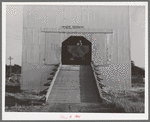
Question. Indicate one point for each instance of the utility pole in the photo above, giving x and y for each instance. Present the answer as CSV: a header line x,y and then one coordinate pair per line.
x,y
10,58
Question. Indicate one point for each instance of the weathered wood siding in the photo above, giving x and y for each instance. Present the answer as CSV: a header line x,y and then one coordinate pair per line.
x,y
41,48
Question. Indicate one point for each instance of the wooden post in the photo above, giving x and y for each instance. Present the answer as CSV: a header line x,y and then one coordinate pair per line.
x,y
10,58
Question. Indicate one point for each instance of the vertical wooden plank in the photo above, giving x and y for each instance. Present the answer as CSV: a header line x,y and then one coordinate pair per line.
x,y
26,76
114,56
59,15
109,17
55,16
29,45
109,48
100,9
36,46
127,47
39,41
51,18
32,16
61,40
53,48
30,76
117,18
94,50
46,48
121,50
105,48
112,48
42,47
119,47
24,16
24,47
118,44
23,76
123,46
100,44
97,17
129,44
79,15
28,16
125,17
102,47
85,18
57,47
75,16
32,47
103,18
90,17
49,48
66,17
114,17
23,58
40,18
94,17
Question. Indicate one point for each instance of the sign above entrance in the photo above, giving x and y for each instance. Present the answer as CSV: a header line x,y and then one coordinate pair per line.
x,y
72,27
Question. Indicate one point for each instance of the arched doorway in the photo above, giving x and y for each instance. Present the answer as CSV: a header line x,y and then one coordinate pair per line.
x,y
76,50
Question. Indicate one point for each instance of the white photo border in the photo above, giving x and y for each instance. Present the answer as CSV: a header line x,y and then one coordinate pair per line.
x,y
83,116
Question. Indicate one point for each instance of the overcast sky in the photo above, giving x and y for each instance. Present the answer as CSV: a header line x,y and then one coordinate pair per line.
x,y
14,25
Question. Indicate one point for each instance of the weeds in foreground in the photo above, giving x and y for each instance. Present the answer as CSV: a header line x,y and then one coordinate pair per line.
x,y
130,102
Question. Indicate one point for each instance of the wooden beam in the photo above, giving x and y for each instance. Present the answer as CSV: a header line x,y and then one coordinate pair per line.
x,y
52,83
51,30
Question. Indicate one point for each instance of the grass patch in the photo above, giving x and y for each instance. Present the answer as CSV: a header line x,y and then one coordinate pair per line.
x,y
130,102
22,101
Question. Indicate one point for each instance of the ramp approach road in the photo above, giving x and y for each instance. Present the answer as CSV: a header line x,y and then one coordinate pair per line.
x,y
75,90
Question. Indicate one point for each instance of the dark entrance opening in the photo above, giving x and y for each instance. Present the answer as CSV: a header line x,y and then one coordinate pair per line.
x,y
76,50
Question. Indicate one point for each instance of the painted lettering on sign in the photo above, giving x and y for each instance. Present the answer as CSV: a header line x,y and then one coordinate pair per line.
x,y
72,27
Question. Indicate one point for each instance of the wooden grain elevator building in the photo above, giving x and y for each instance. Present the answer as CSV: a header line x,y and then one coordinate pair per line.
x,y
47,29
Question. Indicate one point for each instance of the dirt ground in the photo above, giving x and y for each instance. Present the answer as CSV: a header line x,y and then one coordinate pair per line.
x,y
33,101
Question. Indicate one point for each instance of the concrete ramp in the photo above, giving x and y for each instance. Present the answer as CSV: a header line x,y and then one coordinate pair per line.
x,y
75,84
